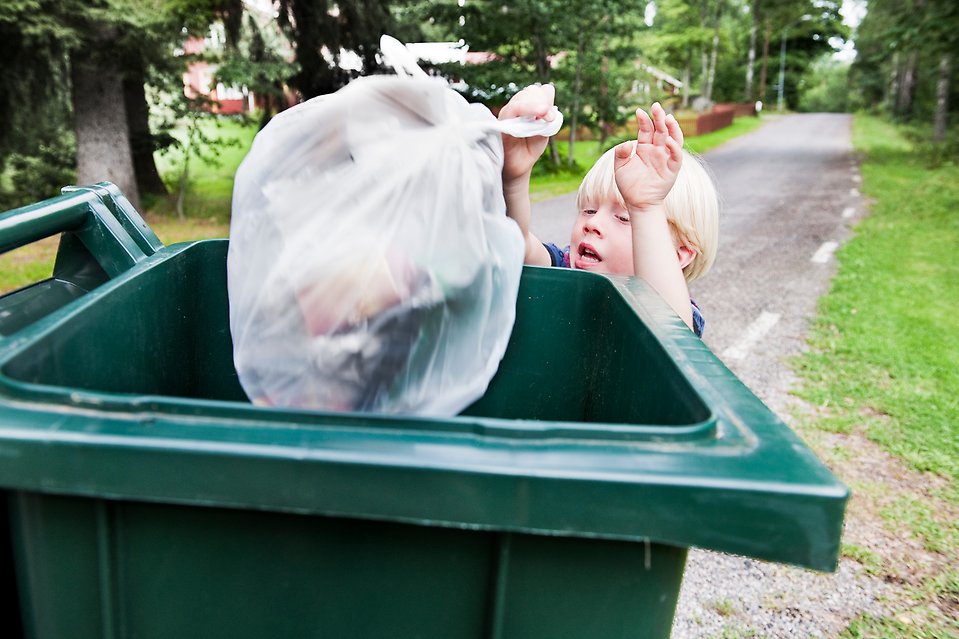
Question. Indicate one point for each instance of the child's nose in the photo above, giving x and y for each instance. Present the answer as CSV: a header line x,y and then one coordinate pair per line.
x,y
593,225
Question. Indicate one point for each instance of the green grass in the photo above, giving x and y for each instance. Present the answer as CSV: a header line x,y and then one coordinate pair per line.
x,y
872,562
884,361
27,264
709,141
210,188
886,344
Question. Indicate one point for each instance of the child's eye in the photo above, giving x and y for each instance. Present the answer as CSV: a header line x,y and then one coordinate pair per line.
x,y
623,217
589,211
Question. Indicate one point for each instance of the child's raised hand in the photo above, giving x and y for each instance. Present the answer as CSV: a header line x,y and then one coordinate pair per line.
x,y
647,168
520,154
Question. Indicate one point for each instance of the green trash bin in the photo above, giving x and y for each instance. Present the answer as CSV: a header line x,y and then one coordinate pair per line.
x,y
146,497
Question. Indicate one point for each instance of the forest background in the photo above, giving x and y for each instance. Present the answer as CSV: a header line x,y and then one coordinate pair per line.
x,y
90,90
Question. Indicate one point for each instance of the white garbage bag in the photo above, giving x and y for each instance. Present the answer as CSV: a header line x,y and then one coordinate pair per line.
x,y
371,264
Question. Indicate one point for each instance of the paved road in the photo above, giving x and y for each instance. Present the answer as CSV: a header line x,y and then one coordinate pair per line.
x,y
787,188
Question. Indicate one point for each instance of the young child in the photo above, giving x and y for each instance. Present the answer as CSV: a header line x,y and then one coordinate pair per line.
x,y
646,208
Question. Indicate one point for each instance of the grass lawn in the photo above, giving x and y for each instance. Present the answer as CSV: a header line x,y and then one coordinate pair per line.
x,y
884,365
211,182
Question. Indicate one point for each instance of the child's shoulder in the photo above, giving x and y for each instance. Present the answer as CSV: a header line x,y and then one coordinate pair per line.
x,y
557,256
699,322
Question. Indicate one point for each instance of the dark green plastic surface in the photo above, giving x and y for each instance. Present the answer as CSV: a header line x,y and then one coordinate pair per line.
x,y
148,498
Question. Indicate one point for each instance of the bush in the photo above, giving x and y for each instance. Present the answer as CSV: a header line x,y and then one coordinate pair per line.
x,y
38,174
825,88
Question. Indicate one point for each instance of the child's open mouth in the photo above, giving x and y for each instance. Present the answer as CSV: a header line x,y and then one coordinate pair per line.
x,y
587,256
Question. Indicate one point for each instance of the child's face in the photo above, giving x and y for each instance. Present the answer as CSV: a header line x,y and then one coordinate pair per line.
x,y
602,239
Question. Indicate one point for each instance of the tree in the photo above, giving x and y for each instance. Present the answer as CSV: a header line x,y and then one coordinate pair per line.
x,y
580,46
36,143
678,35
99,53
825,86
322,31
941,26
595,76
905,59
255,63
84,66
104,151
524,37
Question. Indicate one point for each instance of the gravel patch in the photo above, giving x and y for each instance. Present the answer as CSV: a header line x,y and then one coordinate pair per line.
x,y
728,596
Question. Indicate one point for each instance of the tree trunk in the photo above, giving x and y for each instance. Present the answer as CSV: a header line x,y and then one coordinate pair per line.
x,y
767,33
942,98
100,121
703,53
711,76
704,63
751,61
574,116
604,125
892,92
141,138
687,73
602,103
543,70
907,87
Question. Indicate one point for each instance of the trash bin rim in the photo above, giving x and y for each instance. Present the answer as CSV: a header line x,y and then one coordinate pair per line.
x,y
690,492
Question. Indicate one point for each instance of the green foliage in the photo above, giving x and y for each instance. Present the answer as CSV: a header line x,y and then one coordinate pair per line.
x,y
209,163
590,59
38,175
900,44
355,25
680,42
887,340
33,46
825,88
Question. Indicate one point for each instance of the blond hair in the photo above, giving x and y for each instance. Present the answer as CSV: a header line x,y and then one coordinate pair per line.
x,y
692,206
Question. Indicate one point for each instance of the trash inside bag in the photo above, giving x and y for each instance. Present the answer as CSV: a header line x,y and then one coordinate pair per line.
x,y
371,264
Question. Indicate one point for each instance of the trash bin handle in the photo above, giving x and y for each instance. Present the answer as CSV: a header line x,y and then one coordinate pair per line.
x,y
85,212
34,222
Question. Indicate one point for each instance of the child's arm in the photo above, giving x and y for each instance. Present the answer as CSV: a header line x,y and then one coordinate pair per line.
x,y
520,154
645,172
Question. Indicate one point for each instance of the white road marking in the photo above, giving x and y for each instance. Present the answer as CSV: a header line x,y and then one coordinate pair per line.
x,y
856,178
848,212
821,256
854,192
754,332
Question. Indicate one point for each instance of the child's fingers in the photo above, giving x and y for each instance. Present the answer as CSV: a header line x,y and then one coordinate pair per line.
x,y
675,131
659,124
550,92
675,151
541,99
645,127
623,152
534,101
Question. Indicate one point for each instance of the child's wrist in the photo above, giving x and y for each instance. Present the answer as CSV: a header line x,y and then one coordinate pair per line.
x,y
645,209
518,184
